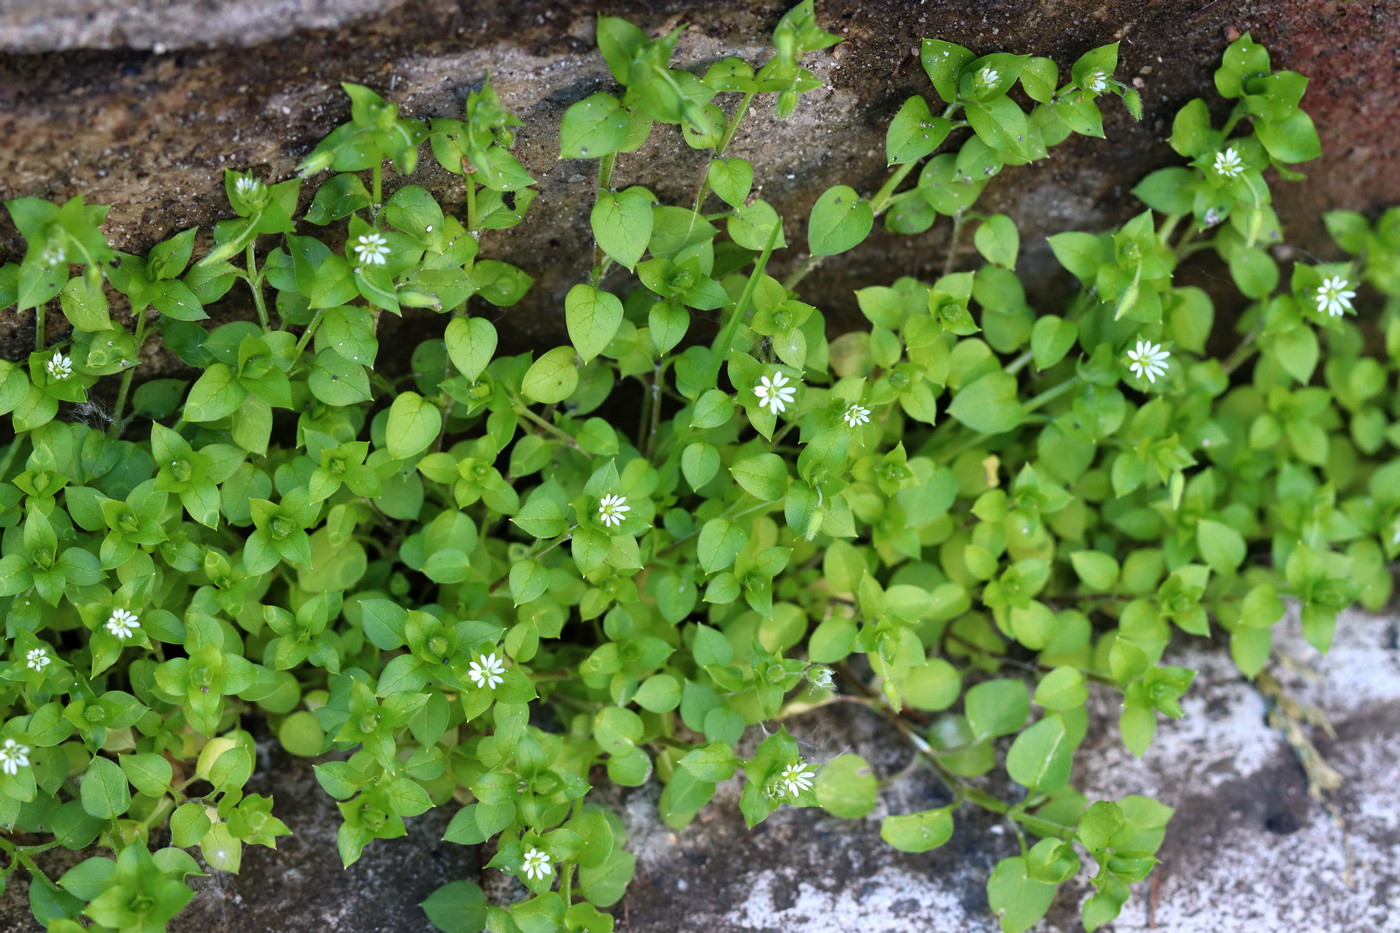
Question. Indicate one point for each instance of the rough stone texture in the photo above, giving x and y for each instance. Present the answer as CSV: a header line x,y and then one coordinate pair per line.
x,y
246,84
163,25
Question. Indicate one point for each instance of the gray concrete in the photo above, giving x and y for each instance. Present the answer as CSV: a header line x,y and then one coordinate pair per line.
x,y
165,25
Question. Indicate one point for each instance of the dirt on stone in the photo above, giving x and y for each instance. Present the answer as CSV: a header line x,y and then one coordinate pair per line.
x,y
146,117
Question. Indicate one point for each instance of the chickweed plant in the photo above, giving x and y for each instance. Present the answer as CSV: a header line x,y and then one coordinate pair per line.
x,y
471,585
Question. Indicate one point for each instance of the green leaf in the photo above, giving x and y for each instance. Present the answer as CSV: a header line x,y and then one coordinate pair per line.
x,y
216,394
149,773
593,317
337,381
997,707
719,543
659,693
711,647
934,685
471,342
552,378
1296,350
593,127
457,907
1051,338
914,132
85,307
764,476
1098,570
1040,757
1015,898
918,832
713,762
103,791
731,179
998,240
500,283
1080,253
944,62
1221,546
622,225
414,423
1169,190
989,405
846,787
1062,689
699,463
839,221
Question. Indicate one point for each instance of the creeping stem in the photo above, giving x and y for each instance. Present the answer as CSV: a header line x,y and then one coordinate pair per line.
x,y
255,283
115,429
719,151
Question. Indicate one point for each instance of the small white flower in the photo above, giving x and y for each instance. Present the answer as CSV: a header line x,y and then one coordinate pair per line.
x,y
1212,217
486,671
1096,83
796,777
820,677
1148,360
54,254
60,367
611,509
535,864
1333,296
37,659
13,756
246,186
371,248
1229,163
775,394
856,415
988,76
122,624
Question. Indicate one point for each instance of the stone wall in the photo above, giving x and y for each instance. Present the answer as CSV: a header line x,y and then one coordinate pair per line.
x,y
143,108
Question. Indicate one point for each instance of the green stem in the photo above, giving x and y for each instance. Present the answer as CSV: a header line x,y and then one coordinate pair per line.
x,y
881,201
1019,363
1052,393
539,551
1044,398
472,219
255,283
9,458
605,173
719,150
654,429
21,855
1247,348
310,331
953,238
878,205
728,513
721,348
40,328
118,424
959,785
522,409
377,180
1235,116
